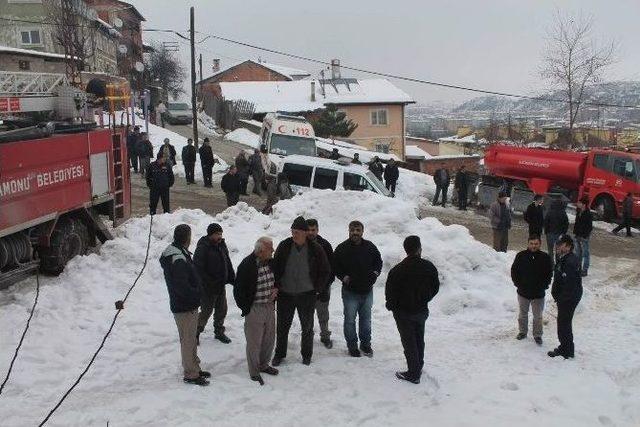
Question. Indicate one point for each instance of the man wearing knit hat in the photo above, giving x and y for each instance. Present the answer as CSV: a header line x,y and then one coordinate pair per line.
x,y
301,271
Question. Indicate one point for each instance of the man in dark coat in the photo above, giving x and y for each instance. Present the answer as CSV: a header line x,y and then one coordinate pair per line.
x,y
145,153
132,147
357,263
411,284
257,171
169,152
356,159
214,266
442,180
627,213
302,271
322,305
567,292
189,154
582,231
255,293
500,218
335,155
159,179
461,185
206,161
391,175
183,285
242,164
534,216
376,167
556,224
531,274
231,186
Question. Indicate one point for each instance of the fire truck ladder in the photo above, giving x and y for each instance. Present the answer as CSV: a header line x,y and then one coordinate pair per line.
x,y
35,91
119,169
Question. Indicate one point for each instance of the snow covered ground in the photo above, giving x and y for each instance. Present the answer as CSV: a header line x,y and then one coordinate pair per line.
x,y
476,373
243,136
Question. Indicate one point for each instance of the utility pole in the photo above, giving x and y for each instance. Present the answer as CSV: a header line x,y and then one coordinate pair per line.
x,y
194,107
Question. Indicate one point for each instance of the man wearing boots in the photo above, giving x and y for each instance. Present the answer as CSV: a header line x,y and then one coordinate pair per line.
x,y
582,230
500,217
567,292
357,264
183,286
410,286
255,293
531,274
242,164
302,271
322,305
230,184
159,180
206,161
214,266
189,154
442,179
257,171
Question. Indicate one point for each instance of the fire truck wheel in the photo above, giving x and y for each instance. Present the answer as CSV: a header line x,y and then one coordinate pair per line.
x,y
66,242
605,209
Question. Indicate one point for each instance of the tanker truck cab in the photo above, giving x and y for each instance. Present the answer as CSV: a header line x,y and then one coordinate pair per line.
x,y
286,135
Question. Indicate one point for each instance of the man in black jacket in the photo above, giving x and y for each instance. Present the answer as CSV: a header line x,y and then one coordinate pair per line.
x,y
357,263
132,147
189,154
531,274
567,292
214,266
302,272
582,231
627,208
556,224
410,286
442,180
391,175
461,185
169,152
534,216
159,180
255,293
376,167
242,164
183,285
145,153
206,161
230,184
322,305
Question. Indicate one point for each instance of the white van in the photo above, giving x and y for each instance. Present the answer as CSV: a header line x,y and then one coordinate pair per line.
x,y
285,135
315,172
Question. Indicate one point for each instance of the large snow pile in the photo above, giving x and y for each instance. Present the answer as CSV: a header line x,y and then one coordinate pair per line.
x,y
243,136
207,125
475,373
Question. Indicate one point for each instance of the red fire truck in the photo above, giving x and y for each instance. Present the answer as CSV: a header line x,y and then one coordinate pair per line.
x,y
54,188
605,176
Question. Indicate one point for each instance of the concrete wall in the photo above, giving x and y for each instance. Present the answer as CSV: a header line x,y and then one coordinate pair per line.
x,y
430,166
368,135
10,31
9,62
431,147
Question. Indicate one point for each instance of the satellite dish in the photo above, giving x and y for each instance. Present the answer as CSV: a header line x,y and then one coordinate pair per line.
x,y
117,22
122,49
139,66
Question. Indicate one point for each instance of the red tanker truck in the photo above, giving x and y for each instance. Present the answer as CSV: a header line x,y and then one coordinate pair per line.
x,y
605,176
54,188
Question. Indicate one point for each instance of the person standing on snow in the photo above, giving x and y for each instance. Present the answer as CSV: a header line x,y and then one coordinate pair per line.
x,y
391,175
442,180
206,161
212,261
582,231
189,154
302,271
169,153
531,273
534,216
556,224
322,304
255,294
410,286
356,159
159,180
500,216
376,167
145,153
132,147
230,185
627,208
242,164
357,264
567,292
183,285
161,109
461,185
257,172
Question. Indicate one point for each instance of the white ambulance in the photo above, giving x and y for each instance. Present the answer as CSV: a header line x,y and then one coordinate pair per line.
x,y
285,135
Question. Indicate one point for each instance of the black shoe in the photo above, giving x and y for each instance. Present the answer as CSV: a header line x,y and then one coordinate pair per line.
x,y
270,370
366,350
258,379
555,352
205,374
306,361
354,352
327,343
276,361
521,336
538,340
584,274
223,338
201,381
405,377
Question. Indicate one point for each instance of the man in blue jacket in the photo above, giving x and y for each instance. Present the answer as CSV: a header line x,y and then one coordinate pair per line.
x,y
184,287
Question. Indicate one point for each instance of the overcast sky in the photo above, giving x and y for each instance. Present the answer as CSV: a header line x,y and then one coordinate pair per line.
x,y
490,44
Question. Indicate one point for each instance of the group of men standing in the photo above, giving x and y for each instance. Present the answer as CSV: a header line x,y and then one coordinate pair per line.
x,y
442,179
390,173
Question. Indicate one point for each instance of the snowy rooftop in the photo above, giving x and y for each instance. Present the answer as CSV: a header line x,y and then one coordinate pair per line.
x,y
415,152
289,72
469,139
31,52
295,96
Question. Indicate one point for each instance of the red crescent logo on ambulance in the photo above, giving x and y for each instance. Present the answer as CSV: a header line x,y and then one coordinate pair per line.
x,y
281,129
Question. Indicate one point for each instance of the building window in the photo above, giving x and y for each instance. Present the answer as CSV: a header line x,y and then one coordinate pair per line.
x,y
31,37
379,117
24,65
382,148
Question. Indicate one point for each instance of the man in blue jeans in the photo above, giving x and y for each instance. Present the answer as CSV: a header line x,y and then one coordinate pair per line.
x,y
582,230
357,264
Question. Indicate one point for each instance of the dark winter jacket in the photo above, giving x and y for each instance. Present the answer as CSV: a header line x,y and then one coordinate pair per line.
x,y
159,177
362,263
189,153
567,280
356,161
230,183
411,285
242,164
181,278
627,207
500,216
328,251
584,223
214,265
255,163
534,216
319,267
145,148
556,220
441,177
376,168
206,155
172,152
391,173
531,273
132,143
462,181
244,290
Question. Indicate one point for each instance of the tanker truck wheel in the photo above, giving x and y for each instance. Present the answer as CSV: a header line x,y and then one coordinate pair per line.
x,y
68,239
605,209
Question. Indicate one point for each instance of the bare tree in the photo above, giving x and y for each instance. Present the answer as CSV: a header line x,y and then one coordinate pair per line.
x,y
573,59
164,69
